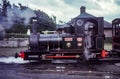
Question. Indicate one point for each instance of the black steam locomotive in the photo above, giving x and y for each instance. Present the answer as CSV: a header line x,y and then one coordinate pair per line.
x,y
83,40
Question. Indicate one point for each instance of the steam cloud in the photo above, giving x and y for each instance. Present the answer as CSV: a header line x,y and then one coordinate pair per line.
x,y
12,60
16,14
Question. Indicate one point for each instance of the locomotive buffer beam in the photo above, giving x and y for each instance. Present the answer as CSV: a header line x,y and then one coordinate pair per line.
x,y
109,55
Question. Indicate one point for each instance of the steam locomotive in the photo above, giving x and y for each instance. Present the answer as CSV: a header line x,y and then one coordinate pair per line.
x,y
83,40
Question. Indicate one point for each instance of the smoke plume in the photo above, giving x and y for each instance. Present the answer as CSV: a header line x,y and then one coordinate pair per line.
x,y
15,14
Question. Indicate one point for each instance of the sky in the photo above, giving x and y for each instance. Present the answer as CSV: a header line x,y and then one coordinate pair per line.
x,y
64,10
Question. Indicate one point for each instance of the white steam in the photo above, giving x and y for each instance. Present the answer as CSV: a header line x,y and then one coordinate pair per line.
x,y
12,60
17,15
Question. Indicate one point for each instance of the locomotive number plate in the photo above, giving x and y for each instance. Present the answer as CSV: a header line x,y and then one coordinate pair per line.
x,y
68,39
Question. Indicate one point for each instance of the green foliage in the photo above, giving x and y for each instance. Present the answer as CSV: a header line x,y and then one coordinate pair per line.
x,y
18,28
47,26
44,21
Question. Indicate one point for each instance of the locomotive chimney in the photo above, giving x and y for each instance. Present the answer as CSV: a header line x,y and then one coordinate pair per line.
x,y
82,9
34,25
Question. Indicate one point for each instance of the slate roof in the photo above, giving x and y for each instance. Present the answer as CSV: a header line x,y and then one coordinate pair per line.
x,y
84,14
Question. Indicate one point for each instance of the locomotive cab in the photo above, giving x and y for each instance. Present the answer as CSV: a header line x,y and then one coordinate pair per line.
x,y
92,31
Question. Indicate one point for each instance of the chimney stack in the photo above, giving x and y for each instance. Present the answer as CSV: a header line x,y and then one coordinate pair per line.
x,y
82,9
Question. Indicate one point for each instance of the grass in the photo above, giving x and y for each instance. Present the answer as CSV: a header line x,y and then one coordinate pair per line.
x,y
108,46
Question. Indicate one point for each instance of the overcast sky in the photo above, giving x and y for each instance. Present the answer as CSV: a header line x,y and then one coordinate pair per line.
x,y
67,9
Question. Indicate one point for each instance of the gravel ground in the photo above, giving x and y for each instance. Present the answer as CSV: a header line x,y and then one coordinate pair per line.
x,y
47,70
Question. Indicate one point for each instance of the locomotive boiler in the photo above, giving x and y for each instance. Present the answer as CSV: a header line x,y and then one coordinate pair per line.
x,y
82,40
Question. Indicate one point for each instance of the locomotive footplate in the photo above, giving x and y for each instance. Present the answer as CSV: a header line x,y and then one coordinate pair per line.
x,y
46,55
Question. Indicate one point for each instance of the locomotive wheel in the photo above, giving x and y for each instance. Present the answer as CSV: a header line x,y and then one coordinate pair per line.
x,y
82,59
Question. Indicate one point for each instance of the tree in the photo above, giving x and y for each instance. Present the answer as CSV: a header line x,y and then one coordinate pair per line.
x,y
44,21
18,28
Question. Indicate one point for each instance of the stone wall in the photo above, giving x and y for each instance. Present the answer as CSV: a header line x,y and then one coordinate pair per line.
x,y
14,42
